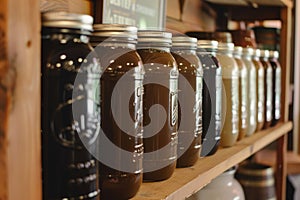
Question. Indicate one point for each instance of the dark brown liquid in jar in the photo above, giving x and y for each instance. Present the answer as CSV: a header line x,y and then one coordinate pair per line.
x,y
276,86
160,105
70,109
268,88
121,110
212,96
190,100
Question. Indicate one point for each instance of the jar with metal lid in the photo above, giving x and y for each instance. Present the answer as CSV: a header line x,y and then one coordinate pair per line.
x,y
243,92
260,90
252,102
121,110
70,107
190,100
211,96
160,104
274,55
230,94
264,59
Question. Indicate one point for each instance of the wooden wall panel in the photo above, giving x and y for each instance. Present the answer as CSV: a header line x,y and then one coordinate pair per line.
x,y
23,133
3,101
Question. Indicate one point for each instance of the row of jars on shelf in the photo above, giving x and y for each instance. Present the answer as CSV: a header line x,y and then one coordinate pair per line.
x,y
140,103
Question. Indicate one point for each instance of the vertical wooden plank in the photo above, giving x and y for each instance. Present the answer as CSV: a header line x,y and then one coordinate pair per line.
x,y
23,148
285,52
281,167
3,100
296,100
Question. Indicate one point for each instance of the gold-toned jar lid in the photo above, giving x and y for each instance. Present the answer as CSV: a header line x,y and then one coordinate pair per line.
x,y
274,54
238,51
248,51
226,46
264,53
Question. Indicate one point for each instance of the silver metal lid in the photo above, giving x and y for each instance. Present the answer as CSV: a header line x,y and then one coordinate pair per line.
x,y
225,46
183,41
248,51
257,53
274,54
238,51
115,30
67,20
154,38
264,53
207,44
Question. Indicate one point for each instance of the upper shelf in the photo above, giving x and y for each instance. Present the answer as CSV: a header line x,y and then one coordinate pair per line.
x,y
186,181
287,3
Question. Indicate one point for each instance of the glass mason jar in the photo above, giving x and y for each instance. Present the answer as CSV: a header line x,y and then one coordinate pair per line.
x,y
230,94
211,96
121,110
160,104
264,59
260,90
243,92
190,100
252,103
274,55
70,107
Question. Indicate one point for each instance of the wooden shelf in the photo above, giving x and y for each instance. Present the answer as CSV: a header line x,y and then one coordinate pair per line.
x,y
187,181
281,3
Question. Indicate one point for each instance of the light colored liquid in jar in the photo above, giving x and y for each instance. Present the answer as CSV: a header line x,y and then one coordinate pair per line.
x,y
260,94
243,98
230,100
252,105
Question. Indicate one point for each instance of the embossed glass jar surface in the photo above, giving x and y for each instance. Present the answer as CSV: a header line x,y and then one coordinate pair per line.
x,y
260,90
190,100
121,110
160,104
276,112
212,96
70,107
252,103
264,59
230,94
243,92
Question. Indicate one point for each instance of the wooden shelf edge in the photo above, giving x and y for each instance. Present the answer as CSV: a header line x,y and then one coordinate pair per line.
x,y
187,181
282,3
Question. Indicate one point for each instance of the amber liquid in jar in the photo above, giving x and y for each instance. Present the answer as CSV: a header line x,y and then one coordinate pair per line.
x,y
268,88
260,90
212,96
230,95
190,100
243,93
70,112
121,93
276,86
